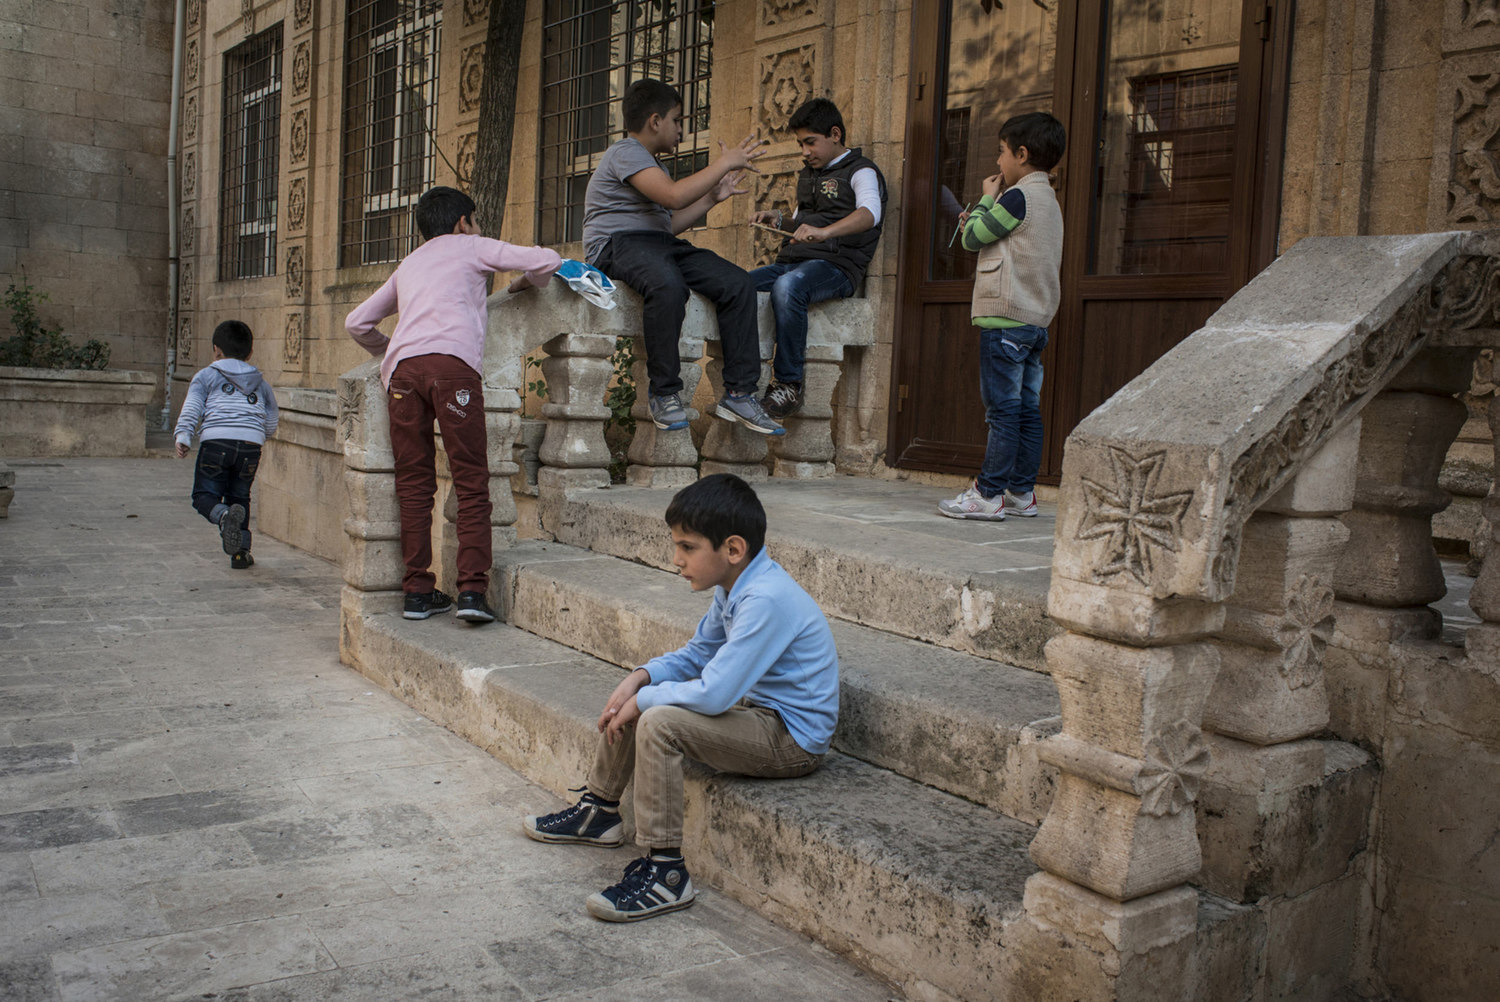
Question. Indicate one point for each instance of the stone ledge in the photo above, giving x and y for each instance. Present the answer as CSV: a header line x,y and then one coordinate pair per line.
x,y
915,884
953,721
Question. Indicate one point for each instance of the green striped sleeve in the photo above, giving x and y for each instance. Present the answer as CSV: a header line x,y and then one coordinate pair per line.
x,y
988,222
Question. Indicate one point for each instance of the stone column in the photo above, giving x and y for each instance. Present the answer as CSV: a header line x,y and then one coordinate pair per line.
x,y
1483,642
807,449
372,531
573,454
730,447
1391,576
663,458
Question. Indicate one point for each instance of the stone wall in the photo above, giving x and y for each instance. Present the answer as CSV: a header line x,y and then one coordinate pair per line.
x,y
299,489
84,101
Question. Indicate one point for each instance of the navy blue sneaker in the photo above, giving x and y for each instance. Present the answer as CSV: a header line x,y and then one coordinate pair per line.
x,y
591,821
421,604
652,886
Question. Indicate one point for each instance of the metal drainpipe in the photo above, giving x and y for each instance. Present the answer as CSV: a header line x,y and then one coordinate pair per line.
x,y
178,30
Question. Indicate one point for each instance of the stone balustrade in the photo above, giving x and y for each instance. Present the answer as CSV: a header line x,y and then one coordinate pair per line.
x,y
1264,490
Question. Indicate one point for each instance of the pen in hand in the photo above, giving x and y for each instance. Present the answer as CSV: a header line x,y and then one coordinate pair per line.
x,y
958,229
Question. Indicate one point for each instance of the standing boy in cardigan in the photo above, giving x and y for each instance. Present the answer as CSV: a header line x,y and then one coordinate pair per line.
x,y
834,229
1018,235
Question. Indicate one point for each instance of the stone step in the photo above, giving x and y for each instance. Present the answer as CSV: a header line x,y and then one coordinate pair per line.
x,y
954,721
871,552
915,884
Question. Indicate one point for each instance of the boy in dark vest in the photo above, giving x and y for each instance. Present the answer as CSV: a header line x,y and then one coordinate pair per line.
x,y
840,208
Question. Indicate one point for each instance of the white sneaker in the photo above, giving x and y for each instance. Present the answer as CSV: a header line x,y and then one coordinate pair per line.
x,y
1023,505
972,504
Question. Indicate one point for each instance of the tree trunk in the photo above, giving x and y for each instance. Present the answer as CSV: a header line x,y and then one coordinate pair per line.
x,y
497,112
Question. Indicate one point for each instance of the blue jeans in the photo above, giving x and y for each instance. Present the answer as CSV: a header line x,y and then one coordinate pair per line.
x,y
1010,385
222,475
793,288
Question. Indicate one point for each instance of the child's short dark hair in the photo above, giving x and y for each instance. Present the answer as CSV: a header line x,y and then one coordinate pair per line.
x,y
645,98
717,507
822,116
439,210
234,339
1043,136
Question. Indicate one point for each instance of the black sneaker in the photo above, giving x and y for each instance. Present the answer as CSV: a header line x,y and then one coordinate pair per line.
x,y
241,561
472,608
421,604
782,399
652,885
230,524
589,822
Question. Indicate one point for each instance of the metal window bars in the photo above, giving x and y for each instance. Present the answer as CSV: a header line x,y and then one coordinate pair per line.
x,y
249,157
390,115
591,51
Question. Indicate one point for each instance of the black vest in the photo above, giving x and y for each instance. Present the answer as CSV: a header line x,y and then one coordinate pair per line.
x,y
826,196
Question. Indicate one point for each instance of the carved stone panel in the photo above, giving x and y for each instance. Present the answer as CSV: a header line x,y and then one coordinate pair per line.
x,y
301,68
296,203
189,174
247,16
476,12
185,340
470,78
1465,189
194,8
468,153
190,63
1470,24
190,119
773,191
302,13
787,79
185,285
291,344
189,231
782,17
295,273
299,136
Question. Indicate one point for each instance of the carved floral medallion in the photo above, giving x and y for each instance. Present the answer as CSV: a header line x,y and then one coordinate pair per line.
x,y
471,78
296,203
295,277
1303,631
301,67
291,343
1176,760
299,135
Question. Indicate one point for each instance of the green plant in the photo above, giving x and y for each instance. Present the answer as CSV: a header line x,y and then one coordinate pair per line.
x,y
620,428
537,386
39,346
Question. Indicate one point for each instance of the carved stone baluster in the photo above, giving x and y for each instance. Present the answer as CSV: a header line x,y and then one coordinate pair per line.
x,y
807,449
1483,642
573,454
730,447
372,531
663,458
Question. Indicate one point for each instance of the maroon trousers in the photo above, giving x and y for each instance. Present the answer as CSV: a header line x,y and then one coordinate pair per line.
x,y
442,387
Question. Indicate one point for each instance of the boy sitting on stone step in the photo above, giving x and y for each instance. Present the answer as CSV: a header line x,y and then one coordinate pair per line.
x,y
755,692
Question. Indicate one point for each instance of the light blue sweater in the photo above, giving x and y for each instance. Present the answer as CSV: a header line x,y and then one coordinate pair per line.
x,y
766,641
245,412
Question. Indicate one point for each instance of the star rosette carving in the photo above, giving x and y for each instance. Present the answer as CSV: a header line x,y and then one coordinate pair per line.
x,y
1131,516
1303,632
1175,763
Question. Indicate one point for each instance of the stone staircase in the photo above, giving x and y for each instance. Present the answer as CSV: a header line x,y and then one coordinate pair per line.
x,y
907,851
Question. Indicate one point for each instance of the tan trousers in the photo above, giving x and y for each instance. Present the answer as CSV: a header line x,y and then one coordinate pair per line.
x,y
745,740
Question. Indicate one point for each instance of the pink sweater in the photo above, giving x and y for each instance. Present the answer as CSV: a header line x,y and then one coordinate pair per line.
x,y
439,291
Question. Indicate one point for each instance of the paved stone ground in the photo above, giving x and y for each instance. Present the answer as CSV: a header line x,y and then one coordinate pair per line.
x,y
197,801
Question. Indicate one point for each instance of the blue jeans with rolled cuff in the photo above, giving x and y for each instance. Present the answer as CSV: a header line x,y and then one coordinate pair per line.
x,y
793,288
222,476
1010,386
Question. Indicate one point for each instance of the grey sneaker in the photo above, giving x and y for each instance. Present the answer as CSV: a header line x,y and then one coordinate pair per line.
x,y
1023,505
667,412
974,505
782,400
748,412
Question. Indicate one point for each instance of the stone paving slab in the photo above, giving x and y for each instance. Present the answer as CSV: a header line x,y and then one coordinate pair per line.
x,y
197,799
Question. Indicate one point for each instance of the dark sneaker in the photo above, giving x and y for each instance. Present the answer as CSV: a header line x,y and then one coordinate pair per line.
x,y
782,400
652,885
589,822
421,604
241,561
230,524
667,412
748,412
472,608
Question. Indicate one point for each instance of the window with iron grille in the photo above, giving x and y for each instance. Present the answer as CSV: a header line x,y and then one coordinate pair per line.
x,y
390,115
251,146
591,51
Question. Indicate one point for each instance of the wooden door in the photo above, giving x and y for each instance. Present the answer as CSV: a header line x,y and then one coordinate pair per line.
x,y
1169,194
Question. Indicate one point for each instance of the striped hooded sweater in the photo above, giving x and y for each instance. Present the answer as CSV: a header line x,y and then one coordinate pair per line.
x,y
228,400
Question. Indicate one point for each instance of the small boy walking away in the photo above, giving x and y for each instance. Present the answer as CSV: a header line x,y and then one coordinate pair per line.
x,y
632,213
231,407
1018,234
840,209
755,692
431,370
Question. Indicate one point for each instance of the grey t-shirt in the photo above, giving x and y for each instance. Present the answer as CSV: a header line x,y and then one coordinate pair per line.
x,y
611,205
